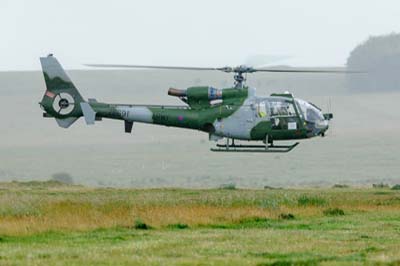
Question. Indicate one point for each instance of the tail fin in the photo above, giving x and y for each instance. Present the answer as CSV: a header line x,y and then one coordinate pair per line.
x,y
61,100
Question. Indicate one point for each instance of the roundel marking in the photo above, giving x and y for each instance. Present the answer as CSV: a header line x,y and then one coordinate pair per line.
x,y
63,103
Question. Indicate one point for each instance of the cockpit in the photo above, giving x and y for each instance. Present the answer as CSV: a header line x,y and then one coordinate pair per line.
x,y
311,113
288,112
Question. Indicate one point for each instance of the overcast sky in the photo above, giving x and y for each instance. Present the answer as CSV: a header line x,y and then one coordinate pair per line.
x,y
185,32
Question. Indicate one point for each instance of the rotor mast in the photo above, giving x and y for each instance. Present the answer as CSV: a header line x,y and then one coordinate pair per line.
x,y
239,80
239,76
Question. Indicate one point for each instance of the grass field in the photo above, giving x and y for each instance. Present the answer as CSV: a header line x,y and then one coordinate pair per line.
x,y
48,223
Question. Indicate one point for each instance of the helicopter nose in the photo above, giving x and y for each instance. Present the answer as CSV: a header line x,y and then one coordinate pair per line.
x,y
322,124
323,127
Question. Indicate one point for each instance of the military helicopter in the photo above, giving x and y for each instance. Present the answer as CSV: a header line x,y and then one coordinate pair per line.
x,y
235,113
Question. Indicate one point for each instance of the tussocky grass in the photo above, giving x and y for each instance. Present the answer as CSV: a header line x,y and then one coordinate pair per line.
x,y
50,223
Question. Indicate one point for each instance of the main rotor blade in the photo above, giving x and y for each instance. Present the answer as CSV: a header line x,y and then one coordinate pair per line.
x,y
305,70
239,69
152,67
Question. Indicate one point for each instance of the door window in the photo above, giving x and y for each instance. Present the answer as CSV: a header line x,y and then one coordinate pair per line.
x,y
280,107
262,109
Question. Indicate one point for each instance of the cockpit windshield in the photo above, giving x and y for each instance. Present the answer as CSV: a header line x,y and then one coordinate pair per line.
x,y
309,111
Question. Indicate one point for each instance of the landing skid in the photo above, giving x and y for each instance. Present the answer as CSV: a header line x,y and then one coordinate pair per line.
x,y
269,148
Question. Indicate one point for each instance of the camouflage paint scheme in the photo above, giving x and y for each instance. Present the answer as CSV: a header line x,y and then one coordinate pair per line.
x,y
235,113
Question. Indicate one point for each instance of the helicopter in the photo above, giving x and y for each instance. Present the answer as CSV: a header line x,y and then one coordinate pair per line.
x,y
233,114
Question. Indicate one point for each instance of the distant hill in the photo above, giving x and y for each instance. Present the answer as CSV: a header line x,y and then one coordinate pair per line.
x,y
380,57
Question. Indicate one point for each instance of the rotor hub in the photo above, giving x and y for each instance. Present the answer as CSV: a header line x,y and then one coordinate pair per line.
x,y
239,80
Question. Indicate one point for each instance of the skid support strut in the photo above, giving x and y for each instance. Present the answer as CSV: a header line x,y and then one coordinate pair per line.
x,y
268,147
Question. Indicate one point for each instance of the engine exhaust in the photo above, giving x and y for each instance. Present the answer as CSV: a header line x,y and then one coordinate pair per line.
x,y
177,92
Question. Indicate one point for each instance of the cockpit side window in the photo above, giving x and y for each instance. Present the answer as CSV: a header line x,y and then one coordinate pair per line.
x,y
281,107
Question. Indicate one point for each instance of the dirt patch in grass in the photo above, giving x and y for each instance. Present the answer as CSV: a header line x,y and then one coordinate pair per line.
x,y
286,216
140,225
178,226
333,212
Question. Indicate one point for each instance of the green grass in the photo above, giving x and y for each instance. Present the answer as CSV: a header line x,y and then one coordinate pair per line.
x,y
396,187
307,200
55,224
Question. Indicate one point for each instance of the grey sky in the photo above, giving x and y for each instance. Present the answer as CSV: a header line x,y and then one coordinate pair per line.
x,y
185,32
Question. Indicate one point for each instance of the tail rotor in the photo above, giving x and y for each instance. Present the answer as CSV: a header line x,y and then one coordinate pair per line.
x,y
62,99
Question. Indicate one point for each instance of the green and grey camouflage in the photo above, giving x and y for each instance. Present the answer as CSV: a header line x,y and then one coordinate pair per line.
x,y
233,113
